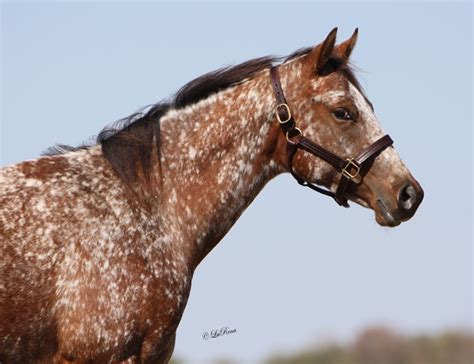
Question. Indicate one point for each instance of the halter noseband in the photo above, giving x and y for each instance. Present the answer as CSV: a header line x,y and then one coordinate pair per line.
x,y
350,168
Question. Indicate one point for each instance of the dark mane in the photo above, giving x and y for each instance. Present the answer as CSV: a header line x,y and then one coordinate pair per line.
x,y
128,143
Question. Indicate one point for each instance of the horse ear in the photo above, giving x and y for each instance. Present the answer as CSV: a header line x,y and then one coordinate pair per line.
x,y
319,55
344,49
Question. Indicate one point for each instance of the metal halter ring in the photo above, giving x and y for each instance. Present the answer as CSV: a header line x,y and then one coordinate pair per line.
x,y
351,164
287,111
298,134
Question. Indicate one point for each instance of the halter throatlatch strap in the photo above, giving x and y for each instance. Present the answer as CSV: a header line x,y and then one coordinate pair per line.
x,y
350,168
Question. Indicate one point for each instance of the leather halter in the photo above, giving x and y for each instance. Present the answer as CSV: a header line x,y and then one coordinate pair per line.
x,y
350,168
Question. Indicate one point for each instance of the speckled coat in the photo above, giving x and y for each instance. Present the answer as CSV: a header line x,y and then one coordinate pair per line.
x,y
93,270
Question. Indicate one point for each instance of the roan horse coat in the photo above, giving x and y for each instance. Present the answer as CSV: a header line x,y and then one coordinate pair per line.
x,y
98,244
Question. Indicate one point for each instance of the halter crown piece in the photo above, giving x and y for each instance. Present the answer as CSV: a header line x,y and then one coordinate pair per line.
x,y
352,169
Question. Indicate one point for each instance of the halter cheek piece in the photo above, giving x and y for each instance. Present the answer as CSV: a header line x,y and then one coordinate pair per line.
x,y
350,168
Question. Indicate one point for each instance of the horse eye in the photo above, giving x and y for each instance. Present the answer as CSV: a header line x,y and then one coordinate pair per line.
x,y
342,114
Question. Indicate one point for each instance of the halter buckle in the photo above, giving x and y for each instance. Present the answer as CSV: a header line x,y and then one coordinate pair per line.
x,y
298,134
287,111
346,171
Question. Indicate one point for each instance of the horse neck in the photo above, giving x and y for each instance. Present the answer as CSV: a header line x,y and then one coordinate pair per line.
x,y
216,155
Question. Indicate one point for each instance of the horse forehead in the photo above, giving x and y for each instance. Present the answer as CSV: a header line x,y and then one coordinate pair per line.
x,y
331,90
362,105
333,82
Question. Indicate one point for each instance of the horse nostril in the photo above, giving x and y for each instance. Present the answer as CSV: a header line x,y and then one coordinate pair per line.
x,y
407,197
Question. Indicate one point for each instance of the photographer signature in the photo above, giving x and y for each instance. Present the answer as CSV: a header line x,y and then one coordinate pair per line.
x,y
218,332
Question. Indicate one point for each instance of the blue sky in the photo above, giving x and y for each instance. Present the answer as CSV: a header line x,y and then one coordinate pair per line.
x,y
68,69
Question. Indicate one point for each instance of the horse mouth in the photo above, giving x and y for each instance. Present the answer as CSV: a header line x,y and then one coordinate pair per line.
x,y
384,217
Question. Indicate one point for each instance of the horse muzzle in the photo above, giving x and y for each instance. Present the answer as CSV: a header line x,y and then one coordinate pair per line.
x,y
409,198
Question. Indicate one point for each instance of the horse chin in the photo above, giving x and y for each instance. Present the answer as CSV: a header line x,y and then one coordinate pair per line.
x,y
384,217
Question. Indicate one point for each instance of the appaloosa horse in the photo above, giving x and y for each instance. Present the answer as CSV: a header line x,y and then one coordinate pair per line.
x,y
99,243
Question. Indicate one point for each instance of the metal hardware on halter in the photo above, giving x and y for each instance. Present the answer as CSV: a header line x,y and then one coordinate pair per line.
x,y
287,111
350,163
298,133
350,168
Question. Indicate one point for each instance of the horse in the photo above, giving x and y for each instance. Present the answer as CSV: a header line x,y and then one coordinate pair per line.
x,y
99,242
